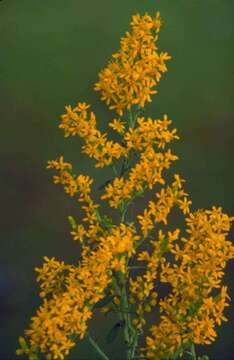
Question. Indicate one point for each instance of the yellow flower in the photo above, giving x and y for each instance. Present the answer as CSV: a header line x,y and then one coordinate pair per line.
x,y
117,125
136,68
190,264
79,233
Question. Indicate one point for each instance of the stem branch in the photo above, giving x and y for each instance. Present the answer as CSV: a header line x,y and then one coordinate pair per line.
x,y
97,348
193,352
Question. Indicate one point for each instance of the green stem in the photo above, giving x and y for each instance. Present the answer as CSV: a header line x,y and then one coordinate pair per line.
x,y
134,344
130,333
115,170
124,308
123,214
97,348
193,352
120,283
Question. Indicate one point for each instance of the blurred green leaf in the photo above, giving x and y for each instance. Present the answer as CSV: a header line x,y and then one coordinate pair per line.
x,y
103,301
114,331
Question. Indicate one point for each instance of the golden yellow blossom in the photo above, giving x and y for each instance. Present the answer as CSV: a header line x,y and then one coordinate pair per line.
x,y
132,75
189,262
117,125
191,310
80,122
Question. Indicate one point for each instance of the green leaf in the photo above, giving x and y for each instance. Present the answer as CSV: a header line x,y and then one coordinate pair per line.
x,y
178,352
194,307
98,215
23,344
114,331
107,222
107,182
103,301
33,356
163,246
104,220
72,222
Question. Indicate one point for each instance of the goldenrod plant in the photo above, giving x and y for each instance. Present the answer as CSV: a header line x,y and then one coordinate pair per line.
x,y
124,258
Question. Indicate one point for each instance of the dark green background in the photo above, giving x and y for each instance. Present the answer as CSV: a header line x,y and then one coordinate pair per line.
x,y
50,55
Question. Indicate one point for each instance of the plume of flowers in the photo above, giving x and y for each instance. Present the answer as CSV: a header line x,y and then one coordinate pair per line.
x,y
125,260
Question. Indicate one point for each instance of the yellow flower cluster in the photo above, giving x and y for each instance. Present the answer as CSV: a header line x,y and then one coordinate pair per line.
x,y
71,184
64,315
197,299
135,70
149,136
127,236
81,186
189,263
73,291
142,288
52,276
79,122
150,132
158,212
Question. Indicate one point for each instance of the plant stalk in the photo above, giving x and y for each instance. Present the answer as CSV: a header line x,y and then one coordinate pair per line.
x,y
97,348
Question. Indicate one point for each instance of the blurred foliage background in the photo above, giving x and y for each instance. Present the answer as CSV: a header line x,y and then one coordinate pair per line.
x,y
50,55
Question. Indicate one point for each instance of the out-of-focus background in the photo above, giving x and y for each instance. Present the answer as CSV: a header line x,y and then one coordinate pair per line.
x,y
50,55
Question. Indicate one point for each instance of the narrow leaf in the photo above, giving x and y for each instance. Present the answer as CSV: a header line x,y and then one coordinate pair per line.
x,y
103,301
114,331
